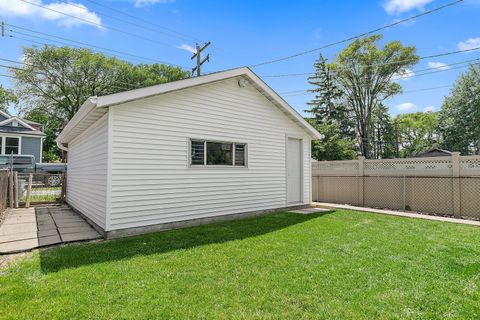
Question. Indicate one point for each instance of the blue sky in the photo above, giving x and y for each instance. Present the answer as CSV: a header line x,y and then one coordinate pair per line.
x,y
244,33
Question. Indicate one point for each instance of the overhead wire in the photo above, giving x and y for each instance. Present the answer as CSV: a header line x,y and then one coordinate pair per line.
x,y
302,53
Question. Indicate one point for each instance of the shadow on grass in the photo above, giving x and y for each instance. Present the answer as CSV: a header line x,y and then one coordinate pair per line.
x,y
75,256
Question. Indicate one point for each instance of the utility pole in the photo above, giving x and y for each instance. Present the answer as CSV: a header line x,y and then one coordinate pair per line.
x,y
199,59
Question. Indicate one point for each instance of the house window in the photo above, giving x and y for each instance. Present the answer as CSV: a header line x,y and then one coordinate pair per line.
x,y
216,153
11,145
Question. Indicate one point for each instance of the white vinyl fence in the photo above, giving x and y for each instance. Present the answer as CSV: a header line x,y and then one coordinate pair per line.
x,y
447,186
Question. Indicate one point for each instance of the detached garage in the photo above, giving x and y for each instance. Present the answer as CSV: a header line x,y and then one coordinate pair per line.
x,y
186,152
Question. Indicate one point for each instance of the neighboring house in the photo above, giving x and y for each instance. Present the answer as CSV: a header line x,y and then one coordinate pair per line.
x,y
159,157
19,136
433,153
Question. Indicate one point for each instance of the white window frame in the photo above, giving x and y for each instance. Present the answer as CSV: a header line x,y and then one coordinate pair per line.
x,y
205,165
4,141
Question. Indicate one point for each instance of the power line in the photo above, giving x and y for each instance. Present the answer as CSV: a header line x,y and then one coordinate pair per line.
x,y
357,36
144,21
127,22
100,25
81,43
131,86
380,64
408,91
438,69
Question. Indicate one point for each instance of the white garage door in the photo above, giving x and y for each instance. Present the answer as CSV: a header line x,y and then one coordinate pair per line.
x,y
294,171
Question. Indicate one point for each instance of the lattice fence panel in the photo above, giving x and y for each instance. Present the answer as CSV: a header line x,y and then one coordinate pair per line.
x,y
409,167
384,192
470,166
335,168
470,197
344,190
430,195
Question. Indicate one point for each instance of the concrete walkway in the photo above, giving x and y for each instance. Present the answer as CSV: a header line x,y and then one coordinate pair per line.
x,y
24,229
396,213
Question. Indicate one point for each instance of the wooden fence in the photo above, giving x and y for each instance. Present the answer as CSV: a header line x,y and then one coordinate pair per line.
x,y
3,189
447,186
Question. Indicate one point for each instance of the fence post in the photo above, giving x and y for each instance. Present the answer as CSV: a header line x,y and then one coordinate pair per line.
x,y
457,206
29,190
15,188
361,175
10,189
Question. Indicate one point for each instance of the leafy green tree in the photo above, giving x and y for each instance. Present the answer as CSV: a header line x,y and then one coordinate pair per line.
x,y
52,127
364,72
7,97
332,146
417,132
59,80
55,82
460,114
383,134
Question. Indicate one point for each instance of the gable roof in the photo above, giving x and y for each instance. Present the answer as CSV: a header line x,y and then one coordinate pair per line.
x,y
95,107
20,121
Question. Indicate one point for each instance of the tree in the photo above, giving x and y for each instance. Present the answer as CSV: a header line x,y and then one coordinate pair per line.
x,y
55,82
383,134
364,72
417,132
332,146
52,127
7,97
460,114
59,80
327,106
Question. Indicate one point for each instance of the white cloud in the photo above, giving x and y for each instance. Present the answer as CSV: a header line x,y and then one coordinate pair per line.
x,y
399,6
23,9
438,65
188,48
406,106
143,3
429,109
469,44
404,74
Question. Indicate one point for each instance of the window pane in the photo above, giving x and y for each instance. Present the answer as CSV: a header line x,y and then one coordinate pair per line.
x,y
11,145
219,153
197,152
239,154
4,160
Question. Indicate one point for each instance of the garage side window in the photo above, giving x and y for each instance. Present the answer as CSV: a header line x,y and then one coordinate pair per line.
x,y
217,153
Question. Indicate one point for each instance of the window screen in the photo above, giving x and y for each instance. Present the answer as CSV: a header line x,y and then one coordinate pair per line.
x,y
198,152
239,154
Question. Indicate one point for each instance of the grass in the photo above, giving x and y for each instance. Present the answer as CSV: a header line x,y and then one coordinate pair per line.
x,y
340,265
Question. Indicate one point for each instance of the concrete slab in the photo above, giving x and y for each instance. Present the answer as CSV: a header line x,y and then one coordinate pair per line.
x,y
46,233
7,229
25,229
18,236
90,235
48,241
311,210
18,246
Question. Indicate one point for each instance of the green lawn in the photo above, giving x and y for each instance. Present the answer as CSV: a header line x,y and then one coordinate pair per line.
x,y
343,265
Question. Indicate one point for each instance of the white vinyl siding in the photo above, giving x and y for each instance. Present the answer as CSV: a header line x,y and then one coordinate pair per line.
x,y
87,172
151,178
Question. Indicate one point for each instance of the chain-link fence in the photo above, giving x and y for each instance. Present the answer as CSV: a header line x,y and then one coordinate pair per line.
x,y
40,187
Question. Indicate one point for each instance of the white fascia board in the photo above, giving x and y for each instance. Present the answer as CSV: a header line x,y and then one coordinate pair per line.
x,y
20,121
285,106
86,107
131,95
